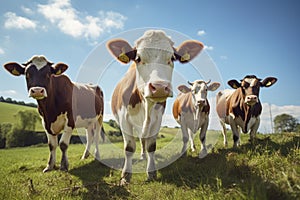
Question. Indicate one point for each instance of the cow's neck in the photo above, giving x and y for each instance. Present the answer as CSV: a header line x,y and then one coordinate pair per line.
x,y
250,111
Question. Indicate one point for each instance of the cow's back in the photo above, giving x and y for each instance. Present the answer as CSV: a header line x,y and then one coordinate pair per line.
x,y
223,100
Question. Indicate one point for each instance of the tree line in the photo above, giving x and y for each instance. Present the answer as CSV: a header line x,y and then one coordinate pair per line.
x,y
12,101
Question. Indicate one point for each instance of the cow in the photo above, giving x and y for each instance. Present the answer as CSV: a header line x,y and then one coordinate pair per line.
x,y
241,108
139,99
62,104
191,110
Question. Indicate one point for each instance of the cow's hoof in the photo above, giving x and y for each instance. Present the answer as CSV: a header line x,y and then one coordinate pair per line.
x,y
85,156
63,168
202,154
143,157
47,169
124,182
152,176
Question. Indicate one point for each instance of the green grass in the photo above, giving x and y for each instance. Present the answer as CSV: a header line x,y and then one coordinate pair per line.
x,y
8,112
268,170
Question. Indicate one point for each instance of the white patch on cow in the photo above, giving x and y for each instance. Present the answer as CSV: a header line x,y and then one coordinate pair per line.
x,y
39,61
86,122
251,81
59,124
252,122
155,51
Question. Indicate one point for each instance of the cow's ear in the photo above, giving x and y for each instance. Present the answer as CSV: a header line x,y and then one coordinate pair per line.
x,y
269,81
183,89
188,50
59,68
234,84
14,68
121,50
213,86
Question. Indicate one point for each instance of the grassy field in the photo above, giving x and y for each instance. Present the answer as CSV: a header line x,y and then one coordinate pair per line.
x,y
268,170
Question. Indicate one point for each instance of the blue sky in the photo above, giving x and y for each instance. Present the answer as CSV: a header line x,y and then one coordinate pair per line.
x,y
241,37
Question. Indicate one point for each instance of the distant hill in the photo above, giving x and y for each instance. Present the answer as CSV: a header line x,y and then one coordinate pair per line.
x,y
8,111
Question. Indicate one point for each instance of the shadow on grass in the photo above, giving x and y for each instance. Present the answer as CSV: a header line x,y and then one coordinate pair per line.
x,y
226,170
93,184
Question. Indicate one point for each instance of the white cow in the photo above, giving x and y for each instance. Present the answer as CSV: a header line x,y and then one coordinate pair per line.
x,y
139,99
191,111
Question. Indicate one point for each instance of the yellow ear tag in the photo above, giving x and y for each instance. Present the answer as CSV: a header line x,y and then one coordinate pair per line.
x,y
58,72
269,83
123,57
185,57
15,72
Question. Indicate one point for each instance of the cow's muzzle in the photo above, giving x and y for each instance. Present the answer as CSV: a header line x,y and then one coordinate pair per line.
x,y
251,100
37,93
159,91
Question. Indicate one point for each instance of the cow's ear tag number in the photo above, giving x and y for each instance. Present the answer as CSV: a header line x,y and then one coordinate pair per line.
x,y
15,72
185,57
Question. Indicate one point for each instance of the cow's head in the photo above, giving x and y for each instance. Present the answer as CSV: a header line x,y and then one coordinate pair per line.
x,y
250,86
154,56
199,90
38,72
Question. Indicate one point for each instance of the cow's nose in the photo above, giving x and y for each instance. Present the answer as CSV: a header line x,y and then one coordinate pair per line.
x,y
251,99
160,89
37,93
201,102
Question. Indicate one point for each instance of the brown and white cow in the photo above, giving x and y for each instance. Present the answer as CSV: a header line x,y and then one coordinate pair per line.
x,y
241,108
191,110
62,104
139,99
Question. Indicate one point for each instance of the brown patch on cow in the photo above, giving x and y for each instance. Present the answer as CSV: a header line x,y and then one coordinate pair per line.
x,y
184,103
236,105
126,92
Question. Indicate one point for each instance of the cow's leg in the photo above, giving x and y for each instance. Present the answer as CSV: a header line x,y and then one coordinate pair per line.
x,y
64,144
129,148
97,139
185,139
89,141
254,131
235,135
191,138
202,137
53,143
143,150
151,148
224,133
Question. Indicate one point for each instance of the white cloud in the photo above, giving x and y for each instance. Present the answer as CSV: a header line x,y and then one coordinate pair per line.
x,y
17,22
201,33
208,48
27,10
8,93
1,51
71,22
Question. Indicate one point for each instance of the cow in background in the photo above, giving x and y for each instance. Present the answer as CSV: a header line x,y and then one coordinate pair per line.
x,y
241,108
62,104
139,99
191,110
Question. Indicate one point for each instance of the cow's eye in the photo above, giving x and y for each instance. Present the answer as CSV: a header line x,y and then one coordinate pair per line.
x,y
27,75
138,59
246,85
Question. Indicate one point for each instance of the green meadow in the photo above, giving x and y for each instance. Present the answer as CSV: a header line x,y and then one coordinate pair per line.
x,y
270,169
